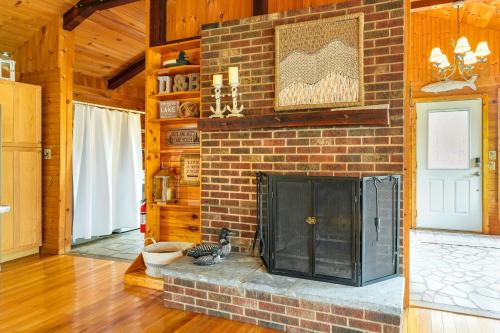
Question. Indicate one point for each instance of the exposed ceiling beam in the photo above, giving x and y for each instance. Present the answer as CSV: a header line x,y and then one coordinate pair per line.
x,y
260,7
127,73
157,22
84,8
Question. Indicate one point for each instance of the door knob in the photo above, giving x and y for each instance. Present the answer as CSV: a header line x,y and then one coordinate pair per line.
x,y
311,220
477,174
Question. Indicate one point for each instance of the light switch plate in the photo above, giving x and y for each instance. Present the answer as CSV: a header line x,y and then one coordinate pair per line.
x,y
492,165
492,154
47,153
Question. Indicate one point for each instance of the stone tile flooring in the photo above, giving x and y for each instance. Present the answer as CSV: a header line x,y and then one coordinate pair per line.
x,y
122,246
455,272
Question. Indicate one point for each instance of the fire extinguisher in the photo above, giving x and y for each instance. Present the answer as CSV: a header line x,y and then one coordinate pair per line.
x,y
143,216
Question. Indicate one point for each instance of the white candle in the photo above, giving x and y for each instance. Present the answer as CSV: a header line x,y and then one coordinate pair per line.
x,y
217,79
233,75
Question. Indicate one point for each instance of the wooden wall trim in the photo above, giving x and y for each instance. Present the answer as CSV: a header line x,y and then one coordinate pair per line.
x,y
408,144
260,7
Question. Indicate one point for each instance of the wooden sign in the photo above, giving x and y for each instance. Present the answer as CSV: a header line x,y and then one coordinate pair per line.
x,y
189,82
190,170
183,137
168,109
180,83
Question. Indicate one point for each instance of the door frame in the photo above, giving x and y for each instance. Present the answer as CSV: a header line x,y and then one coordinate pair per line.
x,y
413,164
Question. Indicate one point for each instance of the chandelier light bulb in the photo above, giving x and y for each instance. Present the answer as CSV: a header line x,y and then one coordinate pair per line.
x,y
482,50
443,62
436,55
470,58
462,46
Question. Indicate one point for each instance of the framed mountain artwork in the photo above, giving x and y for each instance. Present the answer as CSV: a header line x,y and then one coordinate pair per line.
x,y
319,64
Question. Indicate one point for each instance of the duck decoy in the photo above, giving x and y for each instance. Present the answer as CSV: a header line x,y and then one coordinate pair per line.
x,y
210,259
205,249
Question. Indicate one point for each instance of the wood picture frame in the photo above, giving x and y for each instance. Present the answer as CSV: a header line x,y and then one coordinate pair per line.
x,y
317,56
190,169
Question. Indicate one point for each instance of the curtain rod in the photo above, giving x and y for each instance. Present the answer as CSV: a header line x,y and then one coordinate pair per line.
x,y
109,107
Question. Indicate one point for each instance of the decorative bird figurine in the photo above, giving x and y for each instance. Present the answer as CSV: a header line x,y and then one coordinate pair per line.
x,y
205,249
210,259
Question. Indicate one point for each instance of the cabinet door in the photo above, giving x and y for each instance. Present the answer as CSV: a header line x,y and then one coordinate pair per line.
x,y
27,115
28,197
7,107
7,198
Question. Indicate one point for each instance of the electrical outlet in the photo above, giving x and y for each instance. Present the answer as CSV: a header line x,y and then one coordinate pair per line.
x,y
492,154
492,165
47,153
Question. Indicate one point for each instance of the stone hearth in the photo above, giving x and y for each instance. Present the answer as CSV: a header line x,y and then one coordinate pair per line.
x,y
240,289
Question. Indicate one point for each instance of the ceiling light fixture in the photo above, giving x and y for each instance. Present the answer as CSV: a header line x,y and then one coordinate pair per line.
x,y
466,60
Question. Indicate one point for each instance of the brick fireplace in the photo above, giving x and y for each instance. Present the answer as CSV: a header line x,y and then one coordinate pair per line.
x,y
230,159
239,288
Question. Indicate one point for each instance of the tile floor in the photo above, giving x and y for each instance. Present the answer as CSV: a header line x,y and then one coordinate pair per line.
x,y
123,246
456,272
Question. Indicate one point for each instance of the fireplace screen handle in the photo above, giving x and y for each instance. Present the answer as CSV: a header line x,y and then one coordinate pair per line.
x,y
311,220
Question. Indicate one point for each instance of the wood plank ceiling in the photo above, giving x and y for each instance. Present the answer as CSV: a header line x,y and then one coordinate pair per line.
x,y
20,19
482,14
111,40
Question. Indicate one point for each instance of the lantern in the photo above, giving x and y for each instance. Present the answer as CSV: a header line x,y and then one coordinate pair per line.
x,y
7,67
165,186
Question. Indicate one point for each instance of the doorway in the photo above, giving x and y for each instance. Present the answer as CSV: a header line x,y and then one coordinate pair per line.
x,y
107,182
449,160
452,265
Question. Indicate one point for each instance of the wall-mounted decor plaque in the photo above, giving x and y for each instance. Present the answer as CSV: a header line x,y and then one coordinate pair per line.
x,y
168,109
183,137
319,64
190,169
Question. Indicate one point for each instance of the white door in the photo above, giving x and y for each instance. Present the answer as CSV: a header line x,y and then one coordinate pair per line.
x,y
449,158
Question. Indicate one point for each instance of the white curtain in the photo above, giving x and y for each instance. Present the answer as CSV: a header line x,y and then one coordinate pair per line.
x,y
107,171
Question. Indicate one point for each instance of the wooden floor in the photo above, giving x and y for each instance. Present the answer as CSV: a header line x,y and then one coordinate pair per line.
x,y
76,294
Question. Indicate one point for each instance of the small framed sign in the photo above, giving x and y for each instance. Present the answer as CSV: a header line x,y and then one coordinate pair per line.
x,y
190,169
183,137
168,109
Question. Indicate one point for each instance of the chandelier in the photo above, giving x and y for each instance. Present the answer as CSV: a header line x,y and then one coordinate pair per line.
x,y
465,59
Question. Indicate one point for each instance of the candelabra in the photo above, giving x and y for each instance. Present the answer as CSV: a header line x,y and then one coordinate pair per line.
x,y
235,111
218,112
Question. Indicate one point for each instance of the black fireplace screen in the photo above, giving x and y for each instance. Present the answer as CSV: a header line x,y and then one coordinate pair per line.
x,y
338,229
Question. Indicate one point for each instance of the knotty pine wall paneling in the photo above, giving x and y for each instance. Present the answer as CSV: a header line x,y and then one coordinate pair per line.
x,y
92,89
428,32
184,18
46,59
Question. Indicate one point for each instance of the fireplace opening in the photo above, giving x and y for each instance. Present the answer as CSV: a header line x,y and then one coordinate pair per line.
x,y
337,229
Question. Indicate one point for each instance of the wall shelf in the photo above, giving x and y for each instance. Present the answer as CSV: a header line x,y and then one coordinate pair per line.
x,y
185,69
175,121
180,150
179,45
178,96
179,205
377,115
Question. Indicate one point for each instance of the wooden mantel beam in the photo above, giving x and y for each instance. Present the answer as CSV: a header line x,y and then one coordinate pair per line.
x,y
127,73
84,8
374,115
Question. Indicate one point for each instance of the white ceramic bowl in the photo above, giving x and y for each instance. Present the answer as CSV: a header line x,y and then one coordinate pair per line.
x,y
161,254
